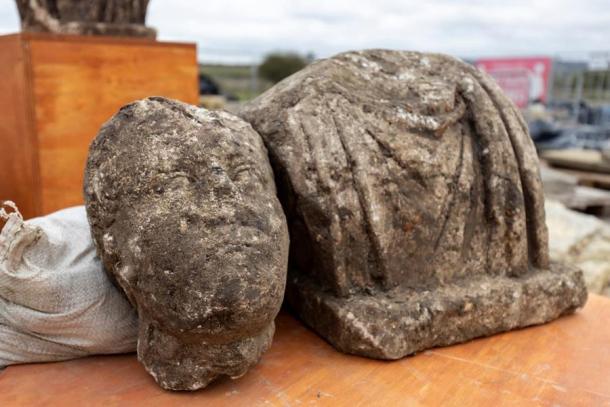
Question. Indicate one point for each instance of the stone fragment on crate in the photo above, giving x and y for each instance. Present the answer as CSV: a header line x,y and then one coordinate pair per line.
x,y
93,17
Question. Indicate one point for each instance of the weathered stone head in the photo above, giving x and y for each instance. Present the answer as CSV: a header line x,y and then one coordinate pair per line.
x,y
92,17
183,210
414,203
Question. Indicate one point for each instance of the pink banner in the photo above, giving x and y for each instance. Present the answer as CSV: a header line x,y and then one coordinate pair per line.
x,y
524,80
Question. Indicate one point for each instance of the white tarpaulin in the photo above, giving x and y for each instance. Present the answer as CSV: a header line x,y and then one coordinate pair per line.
x,y
56,301
582,240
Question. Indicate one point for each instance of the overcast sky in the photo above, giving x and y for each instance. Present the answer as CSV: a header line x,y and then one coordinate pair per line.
x,y
244,30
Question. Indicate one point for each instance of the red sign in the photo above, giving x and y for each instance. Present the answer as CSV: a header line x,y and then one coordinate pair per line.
x,y
524,80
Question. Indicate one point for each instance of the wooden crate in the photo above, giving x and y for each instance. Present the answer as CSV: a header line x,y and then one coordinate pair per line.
x,y
55,93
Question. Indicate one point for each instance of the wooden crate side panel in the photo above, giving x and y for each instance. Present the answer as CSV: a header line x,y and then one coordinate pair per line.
x,y
80,85
18,154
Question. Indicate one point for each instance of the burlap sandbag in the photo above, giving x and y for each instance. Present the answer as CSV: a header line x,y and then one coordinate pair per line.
x,y
56,301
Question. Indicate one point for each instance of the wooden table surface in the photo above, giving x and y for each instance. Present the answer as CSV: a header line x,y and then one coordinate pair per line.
x,y
566,362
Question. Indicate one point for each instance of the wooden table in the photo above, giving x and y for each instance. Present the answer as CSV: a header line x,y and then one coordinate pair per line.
x,y
566,362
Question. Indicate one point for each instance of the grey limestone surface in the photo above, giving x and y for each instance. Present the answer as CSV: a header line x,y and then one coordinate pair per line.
x,y
183,210
414,203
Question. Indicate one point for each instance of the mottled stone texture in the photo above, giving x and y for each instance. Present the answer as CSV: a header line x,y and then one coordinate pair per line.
x,y
184,214
414,203
90,17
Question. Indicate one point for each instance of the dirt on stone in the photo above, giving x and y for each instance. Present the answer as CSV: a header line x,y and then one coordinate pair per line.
x,y
404,174
183,210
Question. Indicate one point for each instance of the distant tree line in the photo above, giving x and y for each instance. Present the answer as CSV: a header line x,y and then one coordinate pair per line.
x,y
278,65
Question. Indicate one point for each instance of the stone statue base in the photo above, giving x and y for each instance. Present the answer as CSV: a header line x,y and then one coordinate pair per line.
x,y
406,320
107,29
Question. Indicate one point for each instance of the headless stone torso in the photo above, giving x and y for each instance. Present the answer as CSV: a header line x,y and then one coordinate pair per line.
x,y
405,174
183,210
413,179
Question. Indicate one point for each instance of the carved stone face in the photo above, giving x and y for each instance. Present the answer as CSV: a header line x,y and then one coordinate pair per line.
x,y
183,209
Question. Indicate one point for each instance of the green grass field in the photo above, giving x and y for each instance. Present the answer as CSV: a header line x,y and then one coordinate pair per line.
x,y
236,80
